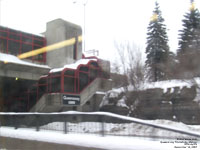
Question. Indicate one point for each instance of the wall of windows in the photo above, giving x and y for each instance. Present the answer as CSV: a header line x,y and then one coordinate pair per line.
x,y
67,81
16,42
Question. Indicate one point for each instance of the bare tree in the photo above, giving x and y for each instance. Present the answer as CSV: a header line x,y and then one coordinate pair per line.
x,y
132,64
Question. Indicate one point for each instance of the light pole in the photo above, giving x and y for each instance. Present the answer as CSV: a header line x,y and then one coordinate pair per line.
x,y
0,12
84,18
84,5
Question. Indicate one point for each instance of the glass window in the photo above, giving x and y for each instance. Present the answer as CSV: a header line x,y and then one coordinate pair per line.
x,y
93,74
69,84
13,31
55,84
36,47
94,64
13,47
3,28
83,80
69,72
84,68
14,36
55,74
42,81
26,48
3,45
3,34
38,42
39,57
27,40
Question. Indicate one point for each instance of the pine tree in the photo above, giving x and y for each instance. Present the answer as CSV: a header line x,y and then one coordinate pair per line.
x,y
157,49
189,36
189,42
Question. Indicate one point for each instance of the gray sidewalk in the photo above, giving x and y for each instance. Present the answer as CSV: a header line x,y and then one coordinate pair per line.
x,y
21,144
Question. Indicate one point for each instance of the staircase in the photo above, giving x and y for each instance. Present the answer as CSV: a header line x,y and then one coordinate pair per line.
x,y
53,102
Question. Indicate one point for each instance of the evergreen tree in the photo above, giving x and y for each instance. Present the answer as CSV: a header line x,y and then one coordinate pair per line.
x,y
189,36
157,49
189,42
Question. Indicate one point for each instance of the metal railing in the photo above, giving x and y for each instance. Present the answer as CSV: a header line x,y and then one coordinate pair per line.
x,y
93,123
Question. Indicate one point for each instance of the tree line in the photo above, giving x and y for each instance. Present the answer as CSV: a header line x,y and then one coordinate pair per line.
x,y
164,64
161,63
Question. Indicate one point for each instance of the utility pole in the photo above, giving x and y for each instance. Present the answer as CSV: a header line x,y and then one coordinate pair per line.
x,y
0,12
84,3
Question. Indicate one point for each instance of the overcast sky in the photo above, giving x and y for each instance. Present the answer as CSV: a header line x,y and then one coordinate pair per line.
x,y
106,20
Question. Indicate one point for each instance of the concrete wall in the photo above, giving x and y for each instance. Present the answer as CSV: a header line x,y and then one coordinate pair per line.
x,y
59,30
22,71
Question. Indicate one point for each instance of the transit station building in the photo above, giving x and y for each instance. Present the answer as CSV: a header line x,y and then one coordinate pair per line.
x,y
49,72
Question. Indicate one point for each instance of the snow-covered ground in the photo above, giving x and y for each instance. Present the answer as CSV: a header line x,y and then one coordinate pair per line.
x,y
135,127
108,142
125,129
133,142
163,85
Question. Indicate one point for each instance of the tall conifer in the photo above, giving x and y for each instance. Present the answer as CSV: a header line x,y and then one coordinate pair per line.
x,y
189,42
157,49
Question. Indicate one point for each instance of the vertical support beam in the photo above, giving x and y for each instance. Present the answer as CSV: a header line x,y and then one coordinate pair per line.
x,y
102,126
37,122
62,82
65,127
1,95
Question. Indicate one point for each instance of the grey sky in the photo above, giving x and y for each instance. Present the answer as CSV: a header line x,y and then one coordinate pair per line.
x,y
106,20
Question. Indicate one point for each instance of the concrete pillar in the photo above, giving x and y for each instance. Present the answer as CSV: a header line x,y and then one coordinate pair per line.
x,y
1,95
59,30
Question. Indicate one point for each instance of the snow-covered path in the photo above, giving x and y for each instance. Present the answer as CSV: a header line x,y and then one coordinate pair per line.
x,y
108,142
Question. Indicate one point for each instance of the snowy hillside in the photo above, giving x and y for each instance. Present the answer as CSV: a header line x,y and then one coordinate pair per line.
x,y
164,85
127,129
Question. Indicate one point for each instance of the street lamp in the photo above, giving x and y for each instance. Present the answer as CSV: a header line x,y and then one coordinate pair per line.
x,y
84,17
0,12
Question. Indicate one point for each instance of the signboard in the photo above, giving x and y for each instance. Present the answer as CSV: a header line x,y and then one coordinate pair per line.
x,y
71,99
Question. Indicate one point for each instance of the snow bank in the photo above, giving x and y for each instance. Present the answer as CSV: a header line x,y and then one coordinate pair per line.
x,y
164,85
163,125
168,84
126,129
114,94
122,102
108,142
176,83
7,58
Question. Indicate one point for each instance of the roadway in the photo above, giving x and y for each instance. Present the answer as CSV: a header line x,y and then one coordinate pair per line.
x,y
21,144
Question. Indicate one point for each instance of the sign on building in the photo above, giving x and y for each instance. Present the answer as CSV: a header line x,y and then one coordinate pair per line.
x,y
71,100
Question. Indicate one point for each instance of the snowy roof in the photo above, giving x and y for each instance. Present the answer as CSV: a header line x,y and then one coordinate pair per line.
x,y
73,66
7,58
168,84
